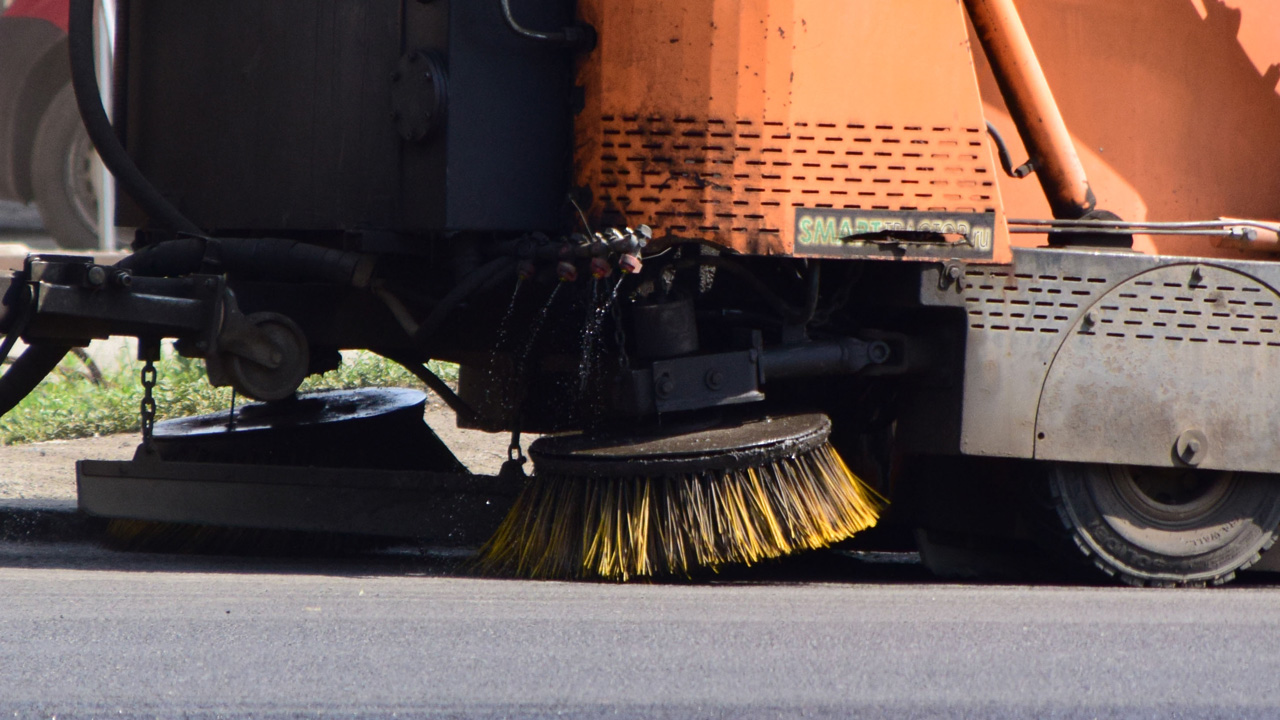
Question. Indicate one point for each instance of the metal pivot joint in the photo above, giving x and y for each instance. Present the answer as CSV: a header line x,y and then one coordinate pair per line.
x,y
59,299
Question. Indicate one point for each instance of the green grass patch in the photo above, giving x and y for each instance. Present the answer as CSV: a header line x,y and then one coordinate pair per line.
x,y
68,404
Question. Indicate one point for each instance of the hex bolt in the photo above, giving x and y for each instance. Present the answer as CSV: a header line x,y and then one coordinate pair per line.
x,y
665,385
878,352
1191,447
97,276
123,278
713,379
951,274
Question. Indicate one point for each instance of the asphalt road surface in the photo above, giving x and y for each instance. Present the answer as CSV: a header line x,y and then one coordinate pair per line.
x,y
91,633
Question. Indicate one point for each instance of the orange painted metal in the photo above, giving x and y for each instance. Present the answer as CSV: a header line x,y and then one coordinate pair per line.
x,y
716,120
1173,106
1027,94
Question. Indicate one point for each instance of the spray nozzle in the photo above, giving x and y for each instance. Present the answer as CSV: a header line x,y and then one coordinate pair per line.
x,y
567,271
600,268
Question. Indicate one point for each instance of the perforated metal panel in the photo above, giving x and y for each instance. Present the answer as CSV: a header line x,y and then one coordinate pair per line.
x,y
742,123
738,177
1175,306
999,299
1109,357
1017,318
1181,349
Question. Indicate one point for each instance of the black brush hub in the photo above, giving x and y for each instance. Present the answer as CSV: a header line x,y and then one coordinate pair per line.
x,y
728,445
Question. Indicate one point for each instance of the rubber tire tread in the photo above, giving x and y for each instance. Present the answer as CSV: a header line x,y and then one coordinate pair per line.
x,y
1069,540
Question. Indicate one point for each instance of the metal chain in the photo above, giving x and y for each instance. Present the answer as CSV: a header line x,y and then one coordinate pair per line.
x,y
148,411
514,451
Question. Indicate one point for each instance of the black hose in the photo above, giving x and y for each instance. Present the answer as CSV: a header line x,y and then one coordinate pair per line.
x,y
464,289
758,286
580,37
1006,161
19,325
27,370
273,259
84,81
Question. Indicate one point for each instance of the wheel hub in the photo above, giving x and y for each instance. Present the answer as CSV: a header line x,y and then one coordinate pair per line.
x,y
1174,512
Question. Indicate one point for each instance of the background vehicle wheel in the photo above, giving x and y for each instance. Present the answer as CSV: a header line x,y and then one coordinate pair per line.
x,y
1164,526
61,175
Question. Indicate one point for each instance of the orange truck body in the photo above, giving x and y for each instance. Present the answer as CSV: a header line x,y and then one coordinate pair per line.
x,y
760,125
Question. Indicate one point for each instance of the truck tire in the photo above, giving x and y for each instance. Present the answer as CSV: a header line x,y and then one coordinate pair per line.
x,y
1166,527
60,175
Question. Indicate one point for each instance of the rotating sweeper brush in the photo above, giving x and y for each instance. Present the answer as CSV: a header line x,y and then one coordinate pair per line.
x,y
650,505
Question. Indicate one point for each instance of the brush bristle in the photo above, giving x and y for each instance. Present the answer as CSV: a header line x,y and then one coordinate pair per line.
x,y
571,527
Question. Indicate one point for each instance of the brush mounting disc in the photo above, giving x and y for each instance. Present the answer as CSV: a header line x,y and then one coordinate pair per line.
x,y
726,446
375,428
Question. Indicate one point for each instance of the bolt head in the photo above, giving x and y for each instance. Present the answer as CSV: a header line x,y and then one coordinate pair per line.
x,y
878,352
665,386
97,276
713,379
1191,447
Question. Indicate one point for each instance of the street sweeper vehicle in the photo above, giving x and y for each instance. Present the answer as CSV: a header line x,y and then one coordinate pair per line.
x,y
760,273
